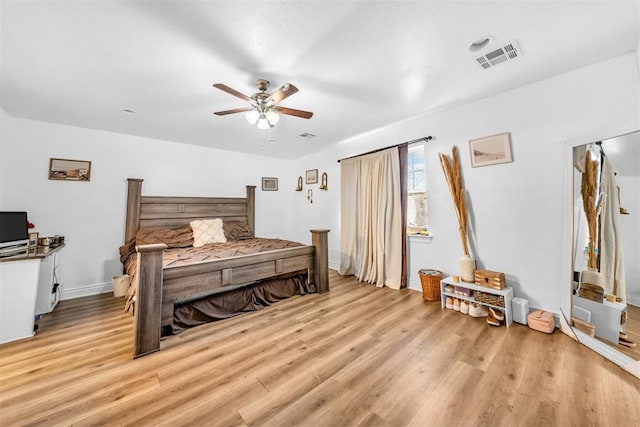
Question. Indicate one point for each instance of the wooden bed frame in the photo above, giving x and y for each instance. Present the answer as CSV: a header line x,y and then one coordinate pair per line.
x,y
158,287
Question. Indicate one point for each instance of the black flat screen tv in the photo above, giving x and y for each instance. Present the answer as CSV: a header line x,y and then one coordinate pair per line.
x,y
14,230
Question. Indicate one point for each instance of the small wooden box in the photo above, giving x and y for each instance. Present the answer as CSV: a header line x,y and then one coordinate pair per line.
x,y
591,292
490,279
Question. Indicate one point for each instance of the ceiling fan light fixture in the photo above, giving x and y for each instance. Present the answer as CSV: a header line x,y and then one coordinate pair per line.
x,y
252,116
273,117
263,123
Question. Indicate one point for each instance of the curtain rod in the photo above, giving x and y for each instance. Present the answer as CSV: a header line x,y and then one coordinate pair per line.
x,y
425,139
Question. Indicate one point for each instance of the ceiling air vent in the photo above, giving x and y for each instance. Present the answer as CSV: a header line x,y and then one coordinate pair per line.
x,y
505,53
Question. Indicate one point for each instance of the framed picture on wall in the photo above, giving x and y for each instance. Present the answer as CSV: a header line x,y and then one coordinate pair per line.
x,y
69,170
490,150
311,176
269,184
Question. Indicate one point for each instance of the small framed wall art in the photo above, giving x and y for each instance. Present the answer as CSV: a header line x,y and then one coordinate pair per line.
x,y
311,176
69,170
490,150
269,184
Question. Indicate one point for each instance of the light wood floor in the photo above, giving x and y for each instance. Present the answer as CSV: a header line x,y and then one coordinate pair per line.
x,y
357,356
633,331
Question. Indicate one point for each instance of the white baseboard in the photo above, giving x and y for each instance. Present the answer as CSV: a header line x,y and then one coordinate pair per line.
x,y
85,291
415,285
334,265
633,300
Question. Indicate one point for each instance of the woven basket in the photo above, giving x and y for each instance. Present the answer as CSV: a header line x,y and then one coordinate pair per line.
x,y
497,300
430,280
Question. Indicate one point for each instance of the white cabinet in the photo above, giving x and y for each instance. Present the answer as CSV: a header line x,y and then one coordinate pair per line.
x,y
605,316
26,290
48,293
18,288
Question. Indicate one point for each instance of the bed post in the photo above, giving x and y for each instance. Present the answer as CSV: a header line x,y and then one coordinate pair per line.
x,y
251,208
134,194
148,308
320,241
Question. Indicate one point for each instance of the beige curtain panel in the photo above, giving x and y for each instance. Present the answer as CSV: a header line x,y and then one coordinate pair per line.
x,y
371,218
611,252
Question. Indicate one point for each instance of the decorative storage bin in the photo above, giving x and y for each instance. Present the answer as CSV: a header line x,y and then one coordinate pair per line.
x,y
490,279
520,308
497,300
120,285
542,321
430,280
461,290
591,292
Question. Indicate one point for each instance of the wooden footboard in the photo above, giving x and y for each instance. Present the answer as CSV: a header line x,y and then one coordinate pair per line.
x,y
159,288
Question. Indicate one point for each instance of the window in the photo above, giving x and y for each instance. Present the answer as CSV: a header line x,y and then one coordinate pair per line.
x,y
417,213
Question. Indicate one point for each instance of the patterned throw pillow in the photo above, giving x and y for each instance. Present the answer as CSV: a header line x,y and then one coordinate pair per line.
x,y
207,231
236,230
173,237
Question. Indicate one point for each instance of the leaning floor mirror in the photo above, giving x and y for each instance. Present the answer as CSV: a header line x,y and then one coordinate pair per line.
x,y
604,298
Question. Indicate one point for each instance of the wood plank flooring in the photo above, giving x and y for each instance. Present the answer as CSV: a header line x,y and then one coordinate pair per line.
x,y
633,331
357,356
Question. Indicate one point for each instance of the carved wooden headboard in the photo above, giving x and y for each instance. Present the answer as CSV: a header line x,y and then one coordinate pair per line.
x,y
173,212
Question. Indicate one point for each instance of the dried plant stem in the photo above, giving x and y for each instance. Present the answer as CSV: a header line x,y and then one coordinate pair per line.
x,y
591,203
454,181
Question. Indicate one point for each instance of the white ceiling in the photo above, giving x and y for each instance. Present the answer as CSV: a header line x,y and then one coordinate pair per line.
x,y
359,65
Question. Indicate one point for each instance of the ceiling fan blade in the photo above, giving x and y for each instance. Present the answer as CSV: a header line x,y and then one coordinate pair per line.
x,y
294,112
231,91
285,91
236,110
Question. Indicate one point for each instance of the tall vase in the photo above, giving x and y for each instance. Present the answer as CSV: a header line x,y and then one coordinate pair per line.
x,y
467,269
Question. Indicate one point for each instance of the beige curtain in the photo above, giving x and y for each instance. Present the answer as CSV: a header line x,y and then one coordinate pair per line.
x,y
611,253
371,218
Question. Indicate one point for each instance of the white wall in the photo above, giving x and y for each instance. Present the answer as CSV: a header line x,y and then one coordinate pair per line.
x,y
516,208
91,214
630,200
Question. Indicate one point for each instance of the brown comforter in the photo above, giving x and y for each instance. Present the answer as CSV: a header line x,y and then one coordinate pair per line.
x,y
174,257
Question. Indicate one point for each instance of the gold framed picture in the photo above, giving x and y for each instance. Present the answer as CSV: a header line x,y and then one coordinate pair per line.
x,y
69,170
33,238
311,176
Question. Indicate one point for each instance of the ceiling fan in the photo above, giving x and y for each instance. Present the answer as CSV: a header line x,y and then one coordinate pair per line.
x,y
264,109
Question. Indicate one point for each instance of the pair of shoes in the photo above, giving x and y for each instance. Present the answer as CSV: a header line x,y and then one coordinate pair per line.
x,y
626,342
495,317
456,304
449,289
497,314
623,335
464,307
449,303
477,310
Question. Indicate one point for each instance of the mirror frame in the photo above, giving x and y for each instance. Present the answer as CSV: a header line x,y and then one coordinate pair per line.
x,y
612,354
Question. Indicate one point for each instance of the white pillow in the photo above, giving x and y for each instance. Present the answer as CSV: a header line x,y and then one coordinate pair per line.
x,y
207,231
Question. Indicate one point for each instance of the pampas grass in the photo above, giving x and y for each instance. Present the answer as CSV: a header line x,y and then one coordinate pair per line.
x,y
591,203
454,181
